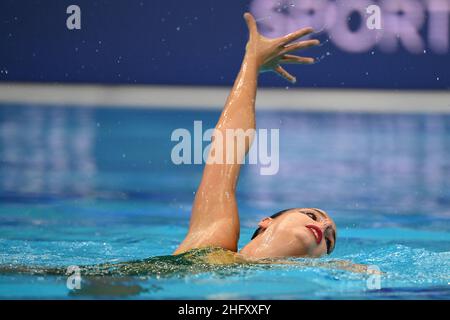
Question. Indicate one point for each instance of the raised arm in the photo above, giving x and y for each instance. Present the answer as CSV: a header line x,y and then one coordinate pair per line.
x,y
214,218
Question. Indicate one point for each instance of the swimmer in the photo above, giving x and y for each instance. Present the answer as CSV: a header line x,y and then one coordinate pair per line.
x,y
298,232
212,238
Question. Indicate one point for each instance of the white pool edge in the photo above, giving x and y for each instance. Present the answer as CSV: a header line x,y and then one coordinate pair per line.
x,y
177,97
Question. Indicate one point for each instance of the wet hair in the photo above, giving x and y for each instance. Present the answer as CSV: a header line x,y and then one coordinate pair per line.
x,y
258,231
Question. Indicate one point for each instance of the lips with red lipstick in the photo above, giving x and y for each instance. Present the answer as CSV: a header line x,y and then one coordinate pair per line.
x,y
315,230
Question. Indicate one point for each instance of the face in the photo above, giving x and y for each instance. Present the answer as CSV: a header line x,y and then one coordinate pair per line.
x,y
302,232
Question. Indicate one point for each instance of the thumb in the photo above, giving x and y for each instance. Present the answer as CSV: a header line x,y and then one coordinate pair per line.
x,y
251,23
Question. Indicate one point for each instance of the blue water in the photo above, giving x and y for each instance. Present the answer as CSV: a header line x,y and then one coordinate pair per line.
x,y
84,186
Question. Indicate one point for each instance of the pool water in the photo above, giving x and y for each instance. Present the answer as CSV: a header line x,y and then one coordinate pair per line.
x,y
81,186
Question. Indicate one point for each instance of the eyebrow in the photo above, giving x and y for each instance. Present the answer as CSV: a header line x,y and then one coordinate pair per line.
x,y
320,212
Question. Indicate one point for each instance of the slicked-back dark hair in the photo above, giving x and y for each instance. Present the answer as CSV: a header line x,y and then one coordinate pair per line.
x,y
258,231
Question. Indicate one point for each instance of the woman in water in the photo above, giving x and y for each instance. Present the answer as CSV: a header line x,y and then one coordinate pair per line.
x,y
300,232
211,242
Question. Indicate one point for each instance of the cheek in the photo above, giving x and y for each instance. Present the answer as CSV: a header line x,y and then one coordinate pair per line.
x,y
307,242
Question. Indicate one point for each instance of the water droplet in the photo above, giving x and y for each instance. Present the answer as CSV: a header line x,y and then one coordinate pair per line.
x,y
287,88
424,51
328,53
437,78
124,155
372,53
6,71
178,28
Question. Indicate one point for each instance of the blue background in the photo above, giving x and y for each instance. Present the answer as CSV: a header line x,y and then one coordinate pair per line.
x,y
179,43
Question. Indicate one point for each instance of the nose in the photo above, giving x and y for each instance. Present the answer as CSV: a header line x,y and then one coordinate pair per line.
x,y
325,224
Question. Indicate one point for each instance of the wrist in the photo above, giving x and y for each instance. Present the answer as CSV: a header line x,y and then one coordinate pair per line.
x,y
252,60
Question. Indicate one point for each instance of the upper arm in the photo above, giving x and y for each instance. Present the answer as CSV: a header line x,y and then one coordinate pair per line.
x,y
214,218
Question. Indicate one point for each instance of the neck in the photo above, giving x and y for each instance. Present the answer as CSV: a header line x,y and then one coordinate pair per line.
x,y
253,249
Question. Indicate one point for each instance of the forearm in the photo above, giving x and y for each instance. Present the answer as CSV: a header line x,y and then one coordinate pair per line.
x,y
239,110
238,116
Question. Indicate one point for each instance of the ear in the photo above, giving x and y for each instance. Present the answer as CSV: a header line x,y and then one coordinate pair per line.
x,y
264,223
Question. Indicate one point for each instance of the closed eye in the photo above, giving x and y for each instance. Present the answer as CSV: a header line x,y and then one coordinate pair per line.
x,y
311,215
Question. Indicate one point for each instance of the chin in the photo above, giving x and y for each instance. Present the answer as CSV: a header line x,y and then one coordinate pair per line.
x,y
306,243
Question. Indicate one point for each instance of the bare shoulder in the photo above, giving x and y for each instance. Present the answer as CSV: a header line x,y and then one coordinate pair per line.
x,y
331,264
224,256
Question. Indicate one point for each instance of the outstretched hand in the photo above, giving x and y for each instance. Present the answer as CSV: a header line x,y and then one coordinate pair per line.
x,y
271,53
